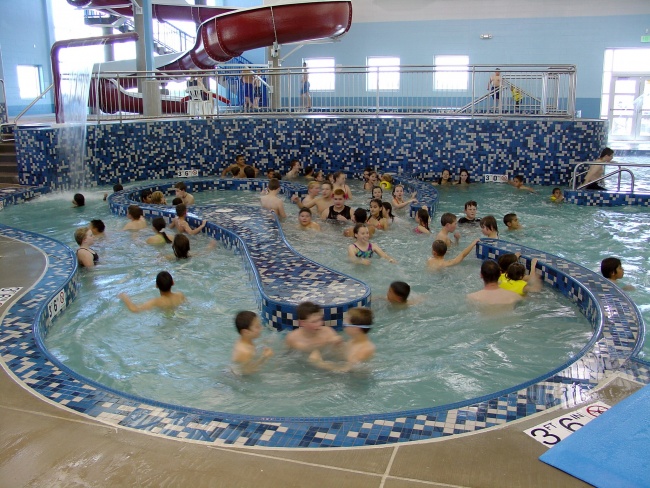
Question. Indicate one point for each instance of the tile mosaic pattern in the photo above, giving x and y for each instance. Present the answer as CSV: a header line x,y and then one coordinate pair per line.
x,y
12,195
543,151
605,198
616,322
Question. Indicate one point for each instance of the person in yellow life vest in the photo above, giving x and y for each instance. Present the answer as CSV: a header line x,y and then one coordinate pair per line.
x,y
517,96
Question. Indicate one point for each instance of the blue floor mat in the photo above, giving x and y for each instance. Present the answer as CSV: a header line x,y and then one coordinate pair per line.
x,y
612,450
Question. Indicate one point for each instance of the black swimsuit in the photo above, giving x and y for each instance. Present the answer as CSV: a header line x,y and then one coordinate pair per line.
x,y
95,255
346,212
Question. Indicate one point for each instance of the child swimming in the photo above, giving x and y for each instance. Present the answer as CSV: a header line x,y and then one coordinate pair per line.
x,y
362,250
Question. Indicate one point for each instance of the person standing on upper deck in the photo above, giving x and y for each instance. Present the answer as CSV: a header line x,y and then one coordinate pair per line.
x,y
597,171
494,86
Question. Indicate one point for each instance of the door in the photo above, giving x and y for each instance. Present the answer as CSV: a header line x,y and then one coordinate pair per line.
x,y
629,108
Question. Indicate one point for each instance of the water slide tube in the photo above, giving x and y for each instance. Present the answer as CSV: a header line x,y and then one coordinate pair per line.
x,y
228,34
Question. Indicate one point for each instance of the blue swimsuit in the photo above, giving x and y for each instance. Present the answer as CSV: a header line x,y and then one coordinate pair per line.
x,y
364,254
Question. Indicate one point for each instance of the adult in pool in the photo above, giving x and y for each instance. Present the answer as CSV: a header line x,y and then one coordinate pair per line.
x,y
492,294
168,299
86,256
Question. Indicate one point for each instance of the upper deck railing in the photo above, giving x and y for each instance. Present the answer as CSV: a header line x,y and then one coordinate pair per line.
x,y
523,91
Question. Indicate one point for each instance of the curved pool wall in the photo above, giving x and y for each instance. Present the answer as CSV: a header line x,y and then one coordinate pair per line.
x,y
618,335
544,151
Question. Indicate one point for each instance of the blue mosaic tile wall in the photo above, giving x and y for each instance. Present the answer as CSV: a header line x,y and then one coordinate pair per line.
x,y
605,198
543,151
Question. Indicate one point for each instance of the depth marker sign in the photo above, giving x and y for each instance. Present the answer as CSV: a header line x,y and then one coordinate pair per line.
x,y
553,431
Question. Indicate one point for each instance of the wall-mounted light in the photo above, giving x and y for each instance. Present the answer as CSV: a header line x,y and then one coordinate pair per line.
x,y
485,37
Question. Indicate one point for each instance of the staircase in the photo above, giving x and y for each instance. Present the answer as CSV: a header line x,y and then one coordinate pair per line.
x,y
8,163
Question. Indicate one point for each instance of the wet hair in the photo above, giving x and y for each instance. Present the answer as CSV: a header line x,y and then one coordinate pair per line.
x,y
97,224
79,199
439,247
519,178
360,215
508,218
516,271
144,194
379,203
304,210
339,193
117,187
606,152
234,171
447,218
459,175
181,186
274,184
388,207
361,316
358,226
244,319
396,187
134,211
164,281
181,246
177,201
181,210
490,271
423,215
470,203
401,289
80,233
305,309
506,260
157,197
249,171
309,171
608,266
490,223
159,224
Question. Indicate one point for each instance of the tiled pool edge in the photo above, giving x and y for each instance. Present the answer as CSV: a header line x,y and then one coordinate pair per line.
x,y
606,199
570,382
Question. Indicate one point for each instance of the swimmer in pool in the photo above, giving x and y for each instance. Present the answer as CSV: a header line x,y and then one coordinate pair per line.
x,y
399,294
518,183
422,218
359,216
612,269
491,294
362,249
371,181
158,224
271,201
557,196
377,218
244,353
516,280
181,192
489,227
449,223
86,256
311,333
358,349
439,250
168,299
512,221
398,197
98,227
470,214
310,200
136,219
181,224
305,222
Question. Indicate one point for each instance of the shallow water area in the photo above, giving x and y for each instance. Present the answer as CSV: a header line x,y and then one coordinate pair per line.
x,y
183,356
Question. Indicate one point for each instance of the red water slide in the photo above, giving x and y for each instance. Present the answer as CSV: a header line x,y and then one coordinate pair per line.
x,y
226,33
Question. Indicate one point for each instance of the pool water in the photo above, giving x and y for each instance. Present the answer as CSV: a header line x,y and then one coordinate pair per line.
x,y
183,357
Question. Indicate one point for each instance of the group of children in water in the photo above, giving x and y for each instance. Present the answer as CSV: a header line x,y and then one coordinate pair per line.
x,y
505,281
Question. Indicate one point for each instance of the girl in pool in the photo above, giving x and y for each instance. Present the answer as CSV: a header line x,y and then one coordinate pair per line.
x,y
373,180
158,198
86,256
339,183
422,219
445,178
377,219
363,250
489,227
463,177
398,197
377,193
160,237
319,175
181,246
388,211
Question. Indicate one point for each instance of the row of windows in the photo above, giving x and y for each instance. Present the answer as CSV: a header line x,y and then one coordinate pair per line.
x,y
452,73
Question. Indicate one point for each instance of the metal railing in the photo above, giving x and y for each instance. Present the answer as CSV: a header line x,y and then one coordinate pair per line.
x,y
622,168
531,91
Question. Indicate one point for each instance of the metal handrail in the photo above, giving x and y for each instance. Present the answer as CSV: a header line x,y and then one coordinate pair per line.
x,y
622,168
33,102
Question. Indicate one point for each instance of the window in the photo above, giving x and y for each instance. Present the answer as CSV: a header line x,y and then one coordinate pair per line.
x,y
624,61
383,73
321,74
451,73
30,81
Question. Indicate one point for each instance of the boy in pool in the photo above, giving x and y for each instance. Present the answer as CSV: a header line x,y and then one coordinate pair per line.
x,y
518,183
97,227
136,219
249,328
311,333
181,192
358,349
449,223
489,227
167,300
470,214
516,280
612,269
557,196
271,201
439,249
304,219
179,222
78,200
512,221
